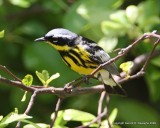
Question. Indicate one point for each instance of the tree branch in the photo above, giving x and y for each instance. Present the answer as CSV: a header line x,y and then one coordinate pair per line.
x,y
9,72
30,105
100,103
56,112
150,55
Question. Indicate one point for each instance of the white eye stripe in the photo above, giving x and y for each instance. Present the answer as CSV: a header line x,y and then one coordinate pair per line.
x,y
63,36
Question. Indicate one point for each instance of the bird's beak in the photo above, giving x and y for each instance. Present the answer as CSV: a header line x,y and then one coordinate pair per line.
x,y
40,39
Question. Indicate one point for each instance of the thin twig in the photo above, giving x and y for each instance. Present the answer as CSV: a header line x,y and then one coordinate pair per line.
x,y
100,104
141,59
56,112
31,102
16,84
150,55
9,73
138,62
30,105
95,120
104,113
132,77
147,58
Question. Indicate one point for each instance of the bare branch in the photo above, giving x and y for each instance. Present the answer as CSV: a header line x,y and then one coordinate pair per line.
x,y
95,120
16,84
56,112
100,103
140,60
30,105
31,102
9,72
150,55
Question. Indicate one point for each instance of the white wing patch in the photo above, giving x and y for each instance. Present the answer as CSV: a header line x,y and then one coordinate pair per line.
x,y
102,55
105,77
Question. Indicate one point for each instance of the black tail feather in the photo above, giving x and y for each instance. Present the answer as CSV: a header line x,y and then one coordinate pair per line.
x,y
115,90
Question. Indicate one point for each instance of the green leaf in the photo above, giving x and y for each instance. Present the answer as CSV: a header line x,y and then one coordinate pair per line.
x,y
12,117
111,28
111,119
54,76
45,78
16,110
132,13
72,115
83,14
101,8
108,43
24,97
126,67
27,80
21,3
120,17
149,14
104,124
45,75
113,115
59,121
1,117
77,115
35,125
2,34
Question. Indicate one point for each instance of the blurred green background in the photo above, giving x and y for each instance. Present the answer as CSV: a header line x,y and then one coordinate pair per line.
x,y
111,23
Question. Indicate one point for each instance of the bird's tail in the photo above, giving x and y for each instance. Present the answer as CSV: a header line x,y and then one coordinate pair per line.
x,y
109,83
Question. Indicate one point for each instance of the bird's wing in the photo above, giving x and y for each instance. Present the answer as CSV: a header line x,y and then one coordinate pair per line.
x,y
112,69
100,56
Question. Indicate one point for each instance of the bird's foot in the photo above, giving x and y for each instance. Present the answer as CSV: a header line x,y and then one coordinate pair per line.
x,y
75,83
68,87
86,79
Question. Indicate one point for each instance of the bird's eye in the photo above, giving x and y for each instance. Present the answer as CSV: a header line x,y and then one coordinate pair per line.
x,y
54,39
51,39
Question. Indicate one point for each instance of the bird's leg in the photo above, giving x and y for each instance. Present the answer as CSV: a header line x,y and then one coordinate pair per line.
x,y
75,83
86,79
69,86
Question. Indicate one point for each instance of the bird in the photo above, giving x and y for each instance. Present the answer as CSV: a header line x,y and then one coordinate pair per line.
x,y
83,55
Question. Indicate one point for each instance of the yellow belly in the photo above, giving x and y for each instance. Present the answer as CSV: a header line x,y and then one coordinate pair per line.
x,y
80,69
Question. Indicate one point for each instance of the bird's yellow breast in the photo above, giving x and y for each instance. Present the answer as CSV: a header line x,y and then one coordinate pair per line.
x,y
77,58
78,68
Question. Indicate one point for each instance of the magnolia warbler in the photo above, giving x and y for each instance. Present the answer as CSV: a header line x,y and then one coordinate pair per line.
x,y
83,56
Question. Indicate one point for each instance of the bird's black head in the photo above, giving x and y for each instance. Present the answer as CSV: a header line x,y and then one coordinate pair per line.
x,y
59,36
